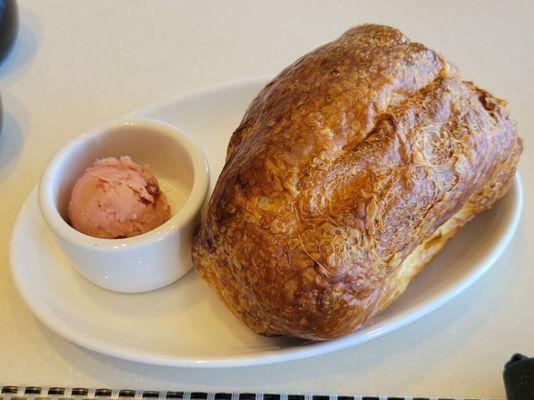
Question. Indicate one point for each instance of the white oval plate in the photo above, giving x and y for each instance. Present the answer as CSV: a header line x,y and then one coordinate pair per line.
x,y
185,324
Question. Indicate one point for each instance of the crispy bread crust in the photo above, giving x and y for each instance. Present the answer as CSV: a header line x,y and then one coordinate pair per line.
x,y
347,174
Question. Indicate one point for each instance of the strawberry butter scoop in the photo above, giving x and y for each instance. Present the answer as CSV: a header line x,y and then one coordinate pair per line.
x,y
117,198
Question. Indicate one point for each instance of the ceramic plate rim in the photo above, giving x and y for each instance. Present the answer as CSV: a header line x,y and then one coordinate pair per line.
x,y
431,303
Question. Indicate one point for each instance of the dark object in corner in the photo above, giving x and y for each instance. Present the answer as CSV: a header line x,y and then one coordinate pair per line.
x,y
519,378
8,26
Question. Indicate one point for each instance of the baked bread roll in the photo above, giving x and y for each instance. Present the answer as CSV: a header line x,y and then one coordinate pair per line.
x,y
348,173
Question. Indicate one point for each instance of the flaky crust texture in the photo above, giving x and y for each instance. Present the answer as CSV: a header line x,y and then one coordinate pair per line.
x,y
347,161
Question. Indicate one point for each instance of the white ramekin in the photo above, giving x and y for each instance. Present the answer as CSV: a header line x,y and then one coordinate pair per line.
x,y
153,259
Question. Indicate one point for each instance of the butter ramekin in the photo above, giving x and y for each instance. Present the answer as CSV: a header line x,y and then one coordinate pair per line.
x,y
153,259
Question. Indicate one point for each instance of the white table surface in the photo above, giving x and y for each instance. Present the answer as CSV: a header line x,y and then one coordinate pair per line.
x,y
80,63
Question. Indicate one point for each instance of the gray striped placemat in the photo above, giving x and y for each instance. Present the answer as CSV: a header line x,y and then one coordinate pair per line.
x,y
58,393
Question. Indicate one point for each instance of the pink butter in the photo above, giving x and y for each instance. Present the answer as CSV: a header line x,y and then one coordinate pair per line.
x,y
117,198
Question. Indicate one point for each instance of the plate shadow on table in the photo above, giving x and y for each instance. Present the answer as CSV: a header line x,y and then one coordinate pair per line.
x,y
358,361
25,48
12,134
15,116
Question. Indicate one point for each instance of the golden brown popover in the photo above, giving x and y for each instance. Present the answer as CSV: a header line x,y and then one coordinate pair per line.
x,y
348,173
